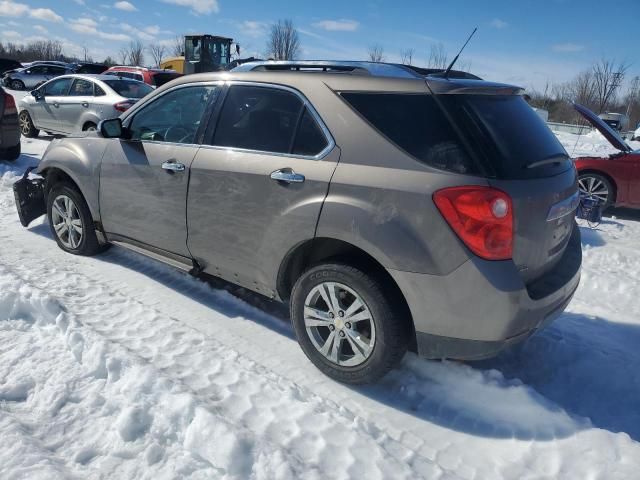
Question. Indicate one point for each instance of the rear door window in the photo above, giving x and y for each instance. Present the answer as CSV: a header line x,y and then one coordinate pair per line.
x,y
81,88
310,140
258,118
416,124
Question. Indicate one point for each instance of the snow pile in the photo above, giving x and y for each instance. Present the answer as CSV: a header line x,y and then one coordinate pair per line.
x,y
120,367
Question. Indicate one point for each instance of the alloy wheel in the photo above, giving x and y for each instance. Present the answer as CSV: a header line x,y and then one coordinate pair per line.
x,y
66,220
593,187
25,123
339,324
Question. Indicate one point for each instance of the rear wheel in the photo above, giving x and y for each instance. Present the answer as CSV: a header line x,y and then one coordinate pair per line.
x,y
346,325
10,154
597,186
71,222
16,85
27,128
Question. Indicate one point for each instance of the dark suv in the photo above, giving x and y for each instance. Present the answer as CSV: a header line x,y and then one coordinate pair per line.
x,y
390,208
9,128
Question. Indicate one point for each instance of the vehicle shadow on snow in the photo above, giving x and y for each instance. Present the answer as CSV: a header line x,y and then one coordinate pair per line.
x,y
580,372
591,237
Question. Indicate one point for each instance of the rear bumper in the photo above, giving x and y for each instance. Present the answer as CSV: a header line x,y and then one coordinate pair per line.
x,y
484,306
9,132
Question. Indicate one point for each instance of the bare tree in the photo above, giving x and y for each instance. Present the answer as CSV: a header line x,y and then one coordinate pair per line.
x,y
177,48
136,53
283,42
157,52
376,53
607,78
407,56
123,55
437,56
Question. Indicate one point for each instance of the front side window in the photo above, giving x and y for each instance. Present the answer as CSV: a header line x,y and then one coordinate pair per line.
x,y
267,119
81,88
174,117
57,88
37,70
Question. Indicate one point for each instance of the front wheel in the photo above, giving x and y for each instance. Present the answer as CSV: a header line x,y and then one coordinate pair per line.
x,y
593,185
346,325
71,222
16,85
27,128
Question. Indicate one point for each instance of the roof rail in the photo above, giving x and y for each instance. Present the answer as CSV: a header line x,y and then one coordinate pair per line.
x,y
329,66
376,69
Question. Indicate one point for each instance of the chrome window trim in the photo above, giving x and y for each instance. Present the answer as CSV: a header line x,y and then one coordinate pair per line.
x,y
306,103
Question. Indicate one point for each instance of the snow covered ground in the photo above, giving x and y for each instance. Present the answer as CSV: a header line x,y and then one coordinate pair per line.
x,y
119,367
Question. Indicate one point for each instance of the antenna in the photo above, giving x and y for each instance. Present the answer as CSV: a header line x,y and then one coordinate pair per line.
x,y
446,72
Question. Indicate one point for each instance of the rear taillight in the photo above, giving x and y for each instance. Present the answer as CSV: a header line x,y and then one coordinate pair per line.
x,y
9,104
123,106
481,216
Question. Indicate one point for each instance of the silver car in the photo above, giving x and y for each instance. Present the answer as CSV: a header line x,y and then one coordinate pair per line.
x,y
76,103
34,75
391,209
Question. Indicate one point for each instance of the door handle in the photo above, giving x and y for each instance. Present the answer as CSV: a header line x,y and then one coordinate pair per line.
x,y
85,104
56,104
173,166
287,175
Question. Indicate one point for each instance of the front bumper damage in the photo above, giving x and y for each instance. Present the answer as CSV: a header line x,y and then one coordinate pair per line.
x,y
29,196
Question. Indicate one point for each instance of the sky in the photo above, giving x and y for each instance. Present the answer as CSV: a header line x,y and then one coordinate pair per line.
x,y
526,42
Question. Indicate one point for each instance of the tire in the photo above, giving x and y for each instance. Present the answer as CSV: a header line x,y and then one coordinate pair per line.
x,y
82,240
27,128
10,154
595,185
384,332
89,127
16,85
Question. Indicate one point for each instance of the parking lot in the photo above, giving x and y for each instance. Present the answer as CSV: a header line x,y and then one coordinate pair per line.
x,y
120,364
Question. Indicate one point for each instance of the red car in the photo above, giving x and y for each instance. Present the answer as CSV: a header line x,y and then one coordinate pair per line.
x,y
155,77
615,180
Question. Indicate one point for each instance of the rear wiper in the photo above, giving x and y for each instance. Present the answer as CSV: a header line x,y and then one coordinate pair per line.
x,y
546,161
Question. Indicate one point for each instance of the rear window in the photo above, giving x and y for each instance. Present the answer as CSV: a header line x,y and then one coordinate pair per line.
x,y
129,88
417,125
160,79
91,69
509,135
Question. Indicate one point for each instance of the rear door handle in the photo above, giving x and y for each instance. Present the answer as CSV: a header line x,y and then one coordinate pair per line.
x,y
173,166
56,104
287,175
85,104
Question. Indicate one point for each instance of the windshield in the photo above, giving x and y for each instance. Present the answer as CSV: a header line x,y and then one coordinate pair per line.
x,y
129,88
511,139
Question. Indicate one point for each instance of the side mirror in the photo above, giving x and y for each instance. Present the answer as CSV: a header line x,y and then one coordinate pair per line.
x,y
111,128
37,94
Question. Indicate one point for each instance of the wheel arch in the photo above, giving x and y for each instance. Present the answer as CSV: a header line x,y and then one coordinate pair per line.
x,y
319,250
613,183
56,174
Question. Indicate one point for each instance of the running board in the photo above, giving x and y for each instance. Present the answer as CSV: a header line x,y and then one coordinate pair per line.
x,y
174,261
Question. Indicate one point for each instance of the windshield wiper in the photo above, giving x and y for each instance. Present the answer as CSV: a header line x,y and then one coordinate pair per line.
x,y
547,161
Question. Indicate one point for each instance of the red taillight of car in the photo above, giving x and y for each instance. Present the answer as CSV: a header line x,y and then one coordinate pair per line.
x,y
9,104
481,216
123,106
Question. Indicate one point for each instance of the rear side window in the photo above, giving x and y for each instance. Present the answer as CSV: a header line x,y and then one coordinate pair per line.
x,y
513,141
268,120
81,88
417,125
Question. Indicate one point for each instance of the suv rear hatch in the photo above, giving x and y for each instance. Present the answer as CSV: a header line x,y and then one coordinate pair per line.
x,y
523,158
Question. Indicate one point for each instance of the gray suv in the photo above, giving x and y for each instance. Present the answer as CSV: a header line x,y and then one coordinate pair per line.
x,y
391,209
